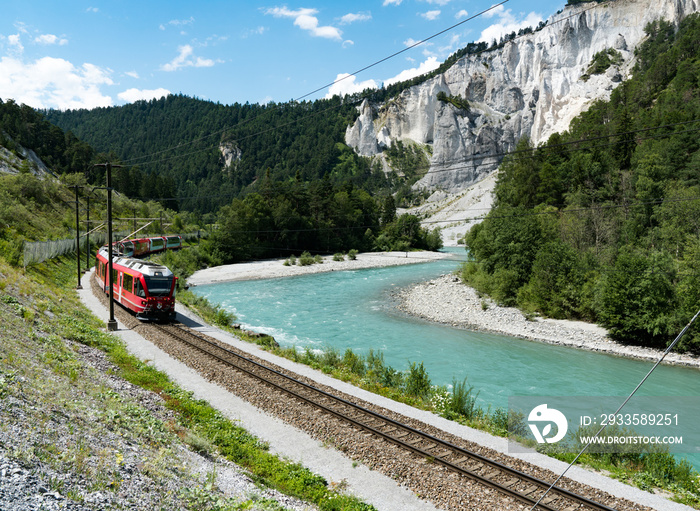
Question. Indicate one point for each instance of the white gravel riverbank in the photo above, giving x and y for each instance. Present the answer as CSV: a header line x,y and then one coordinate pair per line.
x,y
274,268
446,300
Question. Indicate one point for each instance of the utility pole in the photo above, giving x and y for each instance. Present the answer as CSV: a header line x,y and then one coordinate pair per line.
x,y
77,233
87,236
112,323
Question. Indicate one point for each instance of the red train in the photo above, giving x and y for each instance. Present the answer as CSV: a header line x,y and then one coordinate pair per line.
x,y
145,246
146,288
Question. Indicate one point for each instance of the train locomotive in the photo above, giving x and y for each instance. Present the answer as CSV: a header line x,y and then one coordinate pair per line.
x,y
143,287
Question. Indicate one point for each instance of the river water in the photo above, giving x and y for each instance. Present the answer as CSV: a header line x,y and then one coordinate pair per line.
x,y
355,309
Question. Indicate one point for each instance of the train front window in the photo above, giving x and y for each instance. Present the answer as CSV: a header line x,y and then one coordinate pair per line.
x,y
158,286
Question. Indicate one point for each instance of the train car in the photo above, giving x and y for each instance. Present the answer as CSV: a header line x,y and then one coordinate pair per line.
x,y
145,288
157,244
142,246
125,248
173,242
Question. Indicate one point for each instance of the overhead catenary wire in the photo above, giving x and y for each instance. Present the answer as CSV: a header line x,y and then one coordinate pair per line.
x,y
591,440
520,154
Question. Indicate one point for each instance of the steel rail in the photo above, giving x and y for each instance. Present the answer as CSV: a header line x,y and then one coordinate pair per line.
x,y
535,485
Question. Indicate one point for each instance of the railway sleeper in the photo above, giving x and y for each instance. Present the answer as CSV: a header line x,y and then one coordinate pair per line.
x,y
528,490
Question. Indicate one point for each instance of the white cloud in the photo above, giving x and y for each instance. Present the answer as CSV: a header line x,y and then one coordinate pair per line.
x,y
186,59
462,14
347,43
305,20
132,95
15,41
431,15
353,17
54,83
92,9
132,74
348,84
392,2
49,39
254,31
410,42
439,2
507,23
497,10
429,65
178,23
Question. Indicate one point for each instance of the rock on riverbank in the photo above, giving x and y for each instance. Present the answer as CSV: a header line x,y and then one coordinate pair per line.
x,y
446,300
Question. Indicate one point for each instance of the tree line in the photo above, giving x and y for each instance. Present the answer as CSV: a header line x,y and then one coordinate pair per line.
x,y
286,218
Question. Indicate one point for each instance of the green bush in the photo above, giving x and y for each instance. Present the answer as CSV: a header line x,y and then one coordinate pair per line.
x,y
463,399
306,259
417,382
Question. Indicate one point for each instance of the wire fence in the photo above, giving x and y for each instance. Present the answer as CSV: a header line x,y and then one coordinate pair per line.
x,y
39,251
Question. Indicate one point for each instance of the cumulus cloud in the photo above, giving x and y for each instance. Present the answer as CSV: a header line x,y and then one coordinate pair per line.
x,y
54,83
392,2
461,14
15,42
50,39
348,84
353,17
507,23
431,15
305,20
428,65
186,58
132,95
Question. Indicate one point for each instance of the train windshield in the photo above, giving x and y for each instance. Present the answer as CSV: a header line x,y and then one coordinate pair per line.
x,y
158,286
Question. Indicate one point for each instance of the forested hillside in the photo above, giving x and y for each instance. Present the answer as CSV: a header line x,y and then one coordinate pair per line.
x,y
178,138
603,222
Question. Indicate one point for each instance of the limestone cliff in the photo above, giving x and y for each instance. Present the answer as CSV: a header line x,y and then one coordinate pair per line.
x,y
532,86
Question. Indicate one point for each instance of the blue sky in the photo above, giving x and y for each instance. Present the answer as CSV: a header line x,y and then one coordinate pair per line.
x,y
87,54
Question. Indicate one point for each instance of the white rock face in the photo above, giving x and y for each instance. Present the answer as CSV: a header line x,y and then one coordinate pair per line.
x,y
230,153
530,87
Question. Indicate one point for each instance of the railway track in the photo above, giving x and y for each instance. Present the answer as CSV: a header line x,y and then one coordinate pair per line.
x,y
516,484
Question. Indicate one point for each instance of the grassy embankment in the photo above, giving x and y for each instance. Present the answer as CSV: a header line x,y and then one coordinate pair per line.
x,y
43,328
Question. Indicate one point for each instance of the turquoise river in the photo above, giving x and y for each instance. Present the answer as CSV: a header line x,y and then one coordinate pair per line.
x,y
357,310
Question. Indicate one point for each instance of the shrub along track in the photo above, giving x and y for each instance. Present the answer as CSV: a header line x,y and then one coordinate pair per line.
x,y
425,465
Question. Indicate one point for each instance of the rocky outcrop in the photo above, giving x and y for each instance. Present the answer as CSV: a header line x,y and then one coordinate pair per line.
x,y
530,87
11,163
230,153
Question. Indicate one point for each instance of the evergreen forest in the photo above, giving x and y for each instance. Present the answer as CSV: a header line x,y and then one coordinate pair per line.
x,y
602,223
